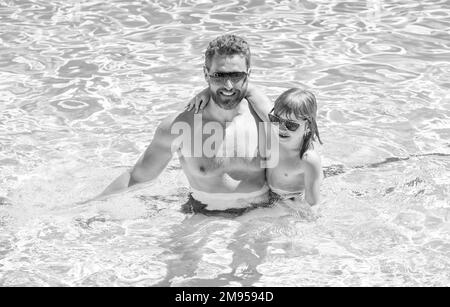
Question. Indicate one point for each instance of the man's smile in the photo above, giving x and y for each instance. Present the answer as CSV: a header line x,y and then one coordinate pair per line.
x,y
227,93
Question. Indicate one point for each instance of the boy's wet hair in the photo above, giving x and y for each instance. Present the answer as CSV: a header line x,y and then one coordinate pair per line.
x,y
227,44
301,104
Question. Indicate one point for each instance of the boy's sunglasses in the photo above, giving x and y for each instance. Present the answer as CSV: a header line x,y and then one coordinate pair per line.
x,y
222,77
289,124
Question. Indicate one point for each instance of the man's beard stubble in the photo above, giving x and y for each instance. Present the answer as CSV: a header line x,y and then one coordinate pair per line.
x,y
229,103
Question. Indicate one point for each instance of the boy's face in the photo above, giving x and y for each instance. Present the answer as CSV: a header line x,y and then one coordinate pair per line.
x,y
291,139
227,93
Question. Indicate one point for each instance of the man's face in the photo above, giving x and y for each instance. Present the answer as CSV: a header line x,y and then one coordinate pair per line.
x,y
227,93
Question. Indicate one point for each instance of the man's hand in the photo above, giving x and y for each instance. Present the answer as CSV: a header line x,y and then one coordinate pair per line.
x,y
199,102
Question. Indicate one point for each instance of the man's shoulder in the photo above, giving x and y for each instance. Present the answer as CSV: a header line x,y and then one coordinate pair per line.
x,y
248,110
178,117
170,128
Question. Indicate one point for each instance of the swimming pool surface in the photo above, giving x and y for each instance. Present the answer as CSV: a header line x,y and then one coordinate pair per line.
x,y
83,84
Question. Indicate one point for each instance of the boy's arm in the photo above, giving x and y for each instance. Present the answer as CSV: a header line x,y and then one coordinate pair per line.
x,y
255,96
313,177
259,101
199,102
150,165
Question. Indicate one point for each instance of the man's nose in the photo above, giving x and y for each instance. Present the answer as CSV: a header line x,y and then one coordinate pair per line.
x,y
228,85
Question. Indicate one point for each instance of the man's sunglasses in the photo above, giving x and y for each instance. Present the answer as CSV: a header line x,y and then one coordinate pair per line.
x,y
222,77
289,124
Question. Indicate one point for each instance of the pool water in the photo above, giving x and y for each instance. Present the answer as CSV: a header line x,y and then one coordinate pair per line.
x,y
83,85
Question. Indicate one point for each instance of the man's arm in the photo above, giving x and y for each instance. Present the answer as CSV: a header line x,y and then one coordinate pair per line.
x,y
150,165
313,177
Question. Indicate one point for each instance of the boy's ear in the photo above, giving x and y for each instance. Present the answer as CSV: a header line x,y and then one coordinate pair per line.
x,y
307,129
249,71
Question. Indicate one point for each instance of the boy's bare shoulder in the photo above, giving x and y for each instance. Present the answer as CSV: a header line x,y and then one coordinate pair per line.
x,y
312,158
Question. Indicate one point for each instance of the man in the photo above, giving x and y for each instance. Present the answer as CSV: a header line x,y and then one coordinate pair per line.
x,y
225,169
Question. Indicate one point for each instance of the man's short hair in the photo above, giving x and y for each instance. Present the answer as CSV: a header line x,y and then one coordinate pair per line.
x,y
227,44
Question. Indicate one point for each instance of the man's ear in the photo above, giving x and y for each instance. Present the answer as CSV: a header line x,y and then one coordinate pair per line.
x,y
249,71
205,73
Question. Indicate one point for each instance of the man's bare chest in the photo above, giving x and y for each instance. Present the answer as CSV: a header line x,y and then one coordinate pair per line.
x,y
217,148
222,141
